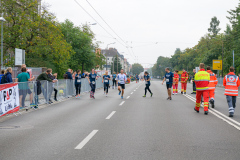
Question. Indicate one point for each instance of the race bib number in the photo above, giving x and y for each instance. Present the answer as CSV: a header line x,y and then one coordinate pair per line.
x,y
93,76
167,80
78,80
146,82
93,82
105,80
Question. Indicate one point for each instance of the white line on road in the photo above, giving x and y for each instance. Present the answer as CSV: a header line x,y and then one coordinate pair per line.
x,y
111,114
132,93
134,90
128,97
219,114
85,141
121,103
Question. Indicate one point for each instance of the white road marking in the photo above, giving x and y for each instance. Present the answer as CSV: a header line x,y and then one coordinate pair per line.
x,y
219,114
86,140
134,90
111,114
121,103
132,93
128,97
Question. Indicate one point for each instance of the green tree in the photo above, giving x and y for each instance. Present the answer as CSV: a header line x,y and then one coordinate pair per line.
x,y
117,65
214,26
137,68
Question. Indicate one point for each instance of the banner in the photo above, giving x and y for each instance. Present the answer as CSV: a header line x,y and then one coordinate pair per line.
x,y
9,98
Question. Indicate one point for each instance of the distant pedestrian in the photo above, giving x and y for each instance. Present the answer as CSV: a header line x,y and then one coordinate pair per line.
x,y
169,81
114,76
105,81
147,84
231,83
68,74
73,75
78,82
54,88
193,81
175,82
92,77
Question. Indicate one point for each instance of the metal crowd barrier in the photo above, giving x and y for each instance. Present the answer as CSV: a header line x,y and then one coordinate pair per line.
x,y
220,82
30,95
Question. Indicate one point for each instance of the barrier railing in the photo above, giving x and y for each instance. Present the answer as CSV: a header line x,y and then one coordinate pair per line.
x,y
33,93
220,82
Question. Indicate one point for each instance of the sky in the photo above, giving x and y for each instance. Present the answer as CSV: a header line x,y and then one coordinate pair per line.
x,y
146,29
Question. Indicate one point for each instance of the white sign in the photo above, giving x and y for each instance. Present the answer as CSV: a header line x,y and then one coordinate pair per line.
x,y
19,57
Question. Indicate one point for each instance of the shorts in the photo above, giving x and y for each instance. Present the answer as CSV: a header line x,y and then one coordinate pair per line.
x,y
122,85
24,91
169,85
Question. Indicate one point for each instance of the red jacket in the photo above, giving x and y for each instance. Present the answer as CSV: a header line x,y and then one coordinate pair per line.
x,y
231,83
176,78
184,77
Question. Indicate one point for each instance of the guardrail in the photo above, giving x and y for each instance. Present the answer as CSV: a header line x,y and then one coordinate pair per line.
x,y
30,97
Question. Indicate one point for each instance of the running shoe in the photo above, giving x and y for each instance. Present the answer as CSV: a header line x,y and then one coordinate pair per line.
x,y
151,94
119,93
122,97
76,96
106,95
32,105
144,96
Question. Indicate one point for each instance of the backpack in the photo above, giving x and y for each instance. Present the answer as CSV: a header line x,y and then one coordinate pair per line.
x,y
4,79
65,76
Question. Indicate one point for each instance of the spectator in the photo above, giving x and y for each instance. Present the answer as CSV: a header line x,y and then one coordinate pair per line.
x,y
24,89
2,74
7,78
22,66
44,77
73,75
55,90
69,74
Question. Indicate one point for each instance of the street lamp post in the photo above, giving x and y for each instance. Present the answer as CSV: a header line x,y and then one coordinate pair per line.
x,y
2,20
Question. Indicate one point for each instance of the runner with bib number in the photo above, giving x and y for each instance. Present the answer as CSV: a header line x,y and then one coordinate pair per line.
x,y
147,82
169,80
121,79
78,78
92,81
105,82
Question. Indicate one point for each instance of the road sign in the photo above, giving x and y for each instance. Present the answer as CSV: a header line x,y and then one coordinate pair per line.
x,y
180,72
217,64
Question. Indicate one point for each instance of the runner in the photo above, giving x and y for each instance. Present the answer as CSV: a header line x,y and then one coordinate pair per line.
x,y
147,82
114,80
137,78
169,80
105,82
92,77
121,79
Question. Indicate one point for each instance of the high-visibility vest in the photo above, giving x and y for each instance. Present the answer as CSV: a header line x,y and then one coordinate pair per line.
x,y
213,80
202,79
231,87
176,78
184,77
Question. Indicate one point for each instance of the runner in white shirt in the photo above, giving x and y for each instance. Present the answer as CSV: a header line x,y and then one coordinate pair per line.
x,y
121,80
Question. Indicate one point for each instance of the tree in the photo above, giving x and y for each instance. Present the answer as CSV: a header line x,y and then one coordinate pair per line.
x,y
137,68
38,34
117,65
81,40
214,29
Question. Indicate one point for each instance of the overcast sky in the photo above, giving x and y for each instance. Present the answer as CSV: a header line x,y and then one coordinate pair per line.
x,y
143,23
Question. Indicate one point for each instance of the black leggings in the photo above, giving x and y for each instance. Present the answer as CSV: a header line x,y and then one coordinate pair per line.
x,y
78,89
114,82
147,88
106,86
93,87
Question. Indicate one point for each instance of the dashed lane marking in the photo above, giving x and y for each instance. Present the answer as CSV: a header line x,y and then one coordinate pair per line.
x,y
121,103
128,97
111,114
86,140
132,93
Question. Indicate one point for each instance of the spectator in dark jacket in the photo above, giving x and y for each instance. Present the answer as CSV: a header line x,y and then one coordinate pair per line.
x,y
8,74
69,74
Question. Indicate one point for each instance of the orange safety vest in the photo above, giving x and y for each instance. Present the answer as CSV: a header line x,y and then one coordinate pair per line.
x,y
184,77
176,78
231,83
213,80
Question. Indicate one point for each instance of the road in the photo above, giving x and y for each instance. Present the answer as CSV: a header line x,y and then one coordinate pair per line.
x,y
135,128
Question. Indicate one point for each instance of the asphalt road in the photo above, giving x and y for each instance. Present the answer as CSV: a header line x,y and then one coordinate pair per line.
x,y
135,128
